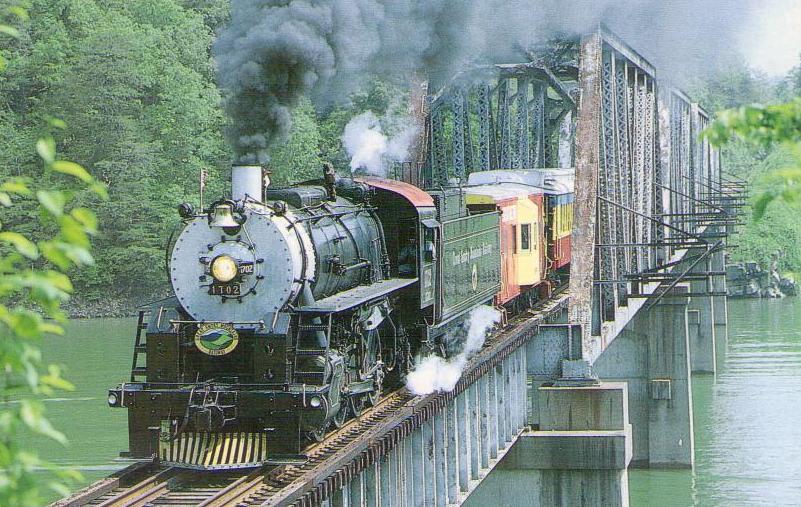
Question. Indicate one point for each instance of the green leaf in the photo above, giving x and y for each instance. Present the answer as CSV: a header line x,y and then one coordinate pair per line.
x,y
21,243
58,280
2,63
57,123
5,199
72,169
72,231
53,201
50,328
54,254
24,323
77,254
46,148
19,12
57,383
54,379
99,189
17,186
10,31
63,254
86,218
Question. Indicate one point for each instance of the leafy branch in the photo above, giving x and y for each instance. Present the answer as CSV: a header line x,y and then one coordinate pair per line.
x,y
765,126
34,283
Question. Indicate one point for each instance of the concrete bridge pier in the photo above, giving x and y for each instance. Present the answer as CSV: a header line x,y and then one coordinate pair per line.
x,y
652,355
580,446
577,457
702,328
720,308
701,315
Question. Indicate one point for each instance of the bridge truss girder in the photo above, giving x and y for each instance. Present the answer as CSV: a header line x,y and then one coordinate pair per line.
x,y
648,187
497,117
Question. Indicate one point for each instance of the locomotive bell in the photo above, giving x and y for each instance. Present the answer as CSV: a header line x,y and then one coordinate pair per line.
x,y
223,216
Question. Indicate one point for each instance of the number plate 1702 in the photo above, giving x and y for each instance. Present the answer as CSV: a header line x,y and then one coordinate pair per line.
x,y
229,289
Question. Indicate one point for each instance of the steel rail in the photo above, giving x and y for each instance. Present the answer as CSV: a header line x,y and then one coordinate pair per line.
x,y
103,487
143,492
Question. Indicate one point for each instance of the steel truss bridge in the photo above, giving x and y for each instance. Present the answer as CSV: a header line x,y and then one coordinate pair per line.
x,y
645,305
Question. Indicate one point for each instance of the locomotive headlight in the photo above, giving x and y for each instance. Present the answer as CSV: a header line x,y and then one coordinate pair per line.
x,y
315,401
224,268
112,399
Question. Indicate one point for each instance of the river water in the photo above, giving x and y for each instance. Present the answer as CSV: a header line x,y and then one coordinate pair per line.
x,y
747,418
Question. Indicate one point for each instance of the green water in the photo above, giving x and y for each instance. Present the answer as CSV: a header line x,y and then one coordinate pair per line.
x,y
747,419
95,354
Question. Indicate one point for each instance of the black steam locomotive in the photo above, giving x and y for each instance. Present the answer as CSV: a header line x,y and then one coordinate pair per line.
x,y
295,307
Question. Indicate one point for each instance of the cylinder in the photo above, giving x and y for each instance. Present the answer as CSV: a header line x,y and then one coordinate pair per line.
x,y
246,180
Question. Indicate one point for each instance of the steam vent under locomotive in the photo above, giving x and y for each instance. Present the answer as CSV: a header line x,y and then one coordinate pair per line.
x,y
295,307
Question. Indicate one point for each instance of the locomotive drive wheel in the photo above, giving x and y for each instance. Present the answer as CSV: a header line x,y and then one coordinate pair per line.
x,y
356,403
342,415
374,397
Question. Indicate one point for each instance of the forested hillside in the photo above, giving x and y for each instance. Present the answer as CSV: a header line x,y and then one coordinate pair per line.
x,y
134,82
135,85
777,227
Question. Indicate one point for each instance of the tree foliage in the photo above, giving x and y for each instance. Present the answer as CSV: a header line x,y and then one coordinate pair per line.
x,y
34,283
135,82
764,127
758,128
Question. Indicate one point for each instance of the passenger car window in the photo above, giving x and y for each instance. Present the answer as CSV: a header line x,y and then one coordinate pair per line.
x,y
525,237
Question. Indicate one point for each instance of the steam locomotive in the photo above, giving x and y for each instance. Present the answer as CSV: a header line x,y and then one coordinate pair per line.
x,y
295,307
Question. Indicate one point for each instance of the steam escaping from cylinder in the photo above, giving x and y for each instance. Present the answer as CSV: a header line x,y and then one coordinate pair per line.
x,y
435,374
369,148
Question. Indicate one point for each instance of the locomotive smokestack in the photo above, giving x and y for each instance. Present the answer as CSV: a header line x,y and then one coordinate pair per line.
x,y
246,180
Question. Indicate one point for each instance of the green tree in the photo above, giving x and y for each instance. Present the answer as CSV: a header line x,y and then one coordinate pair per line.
x,y
33,286
765,126
135,82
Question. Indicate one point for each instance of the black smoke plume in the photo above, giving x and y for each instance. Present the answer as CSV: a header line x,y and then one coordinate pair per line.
x,y
273,52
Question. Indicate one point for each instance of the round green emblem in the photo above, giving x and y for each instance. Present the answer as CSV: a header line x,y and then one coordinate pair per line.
x,y
216,339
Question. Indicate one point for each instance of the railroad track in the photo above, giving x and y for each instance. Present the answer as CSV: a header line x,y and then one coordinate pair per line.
x,y
344,452
260,488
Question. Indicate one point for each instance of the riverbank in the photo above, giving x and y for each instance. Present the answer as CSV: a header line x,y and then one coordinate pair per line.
x,y
112,307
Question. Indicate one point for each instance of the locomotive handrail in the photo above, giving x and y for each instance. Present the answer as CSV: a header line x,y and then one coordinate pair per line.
x,y
246,322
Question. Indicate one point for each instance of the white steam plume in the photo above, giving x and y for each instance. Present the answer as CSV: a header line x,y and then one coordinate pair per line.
x,y
369,147
435,374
